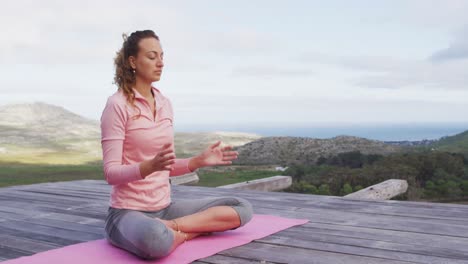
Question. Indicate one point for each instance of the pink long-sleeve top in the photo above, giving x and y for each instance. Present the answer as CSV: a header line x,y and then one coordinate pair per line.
x,y
127,141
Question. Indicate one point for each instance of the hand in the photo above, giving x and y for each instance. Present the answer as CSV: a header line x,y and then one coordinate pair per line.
x,y
164,159
216,155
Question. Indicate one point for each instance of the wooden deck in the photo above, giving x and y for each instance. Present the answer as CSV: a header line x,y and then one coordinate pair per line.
x,y
41,217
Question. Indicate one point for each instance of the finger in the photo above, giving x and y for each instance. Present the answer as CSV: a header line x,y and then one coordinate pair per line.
x,y
230,158
165,152
167,145
167,168
168,158
215,144
226,148
169,155
230,153
167,162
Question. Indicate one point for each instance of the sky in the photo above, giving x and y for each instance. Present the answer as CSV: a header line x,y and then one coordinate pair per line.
x,y
244,63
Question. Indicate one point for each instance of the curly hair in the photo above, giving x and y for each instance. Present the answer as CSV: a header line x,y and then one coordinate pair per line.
x,y
124,76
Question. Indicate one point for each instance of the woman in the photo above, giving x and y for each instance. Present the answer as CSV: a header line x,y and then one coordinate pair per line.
x,y
138,156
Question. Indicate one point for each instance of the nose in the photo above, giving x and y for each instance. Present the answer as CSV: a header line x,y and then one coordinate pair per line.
x,y
160,62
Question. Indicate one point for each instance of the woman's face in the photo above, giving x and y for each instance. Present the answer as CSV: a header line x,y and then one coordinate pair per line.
x,y
149,61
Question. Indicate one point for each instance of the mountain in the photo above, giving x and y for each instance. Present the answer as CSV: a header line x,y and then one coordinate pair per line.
x,y
37,132
40,124
457,143
287,150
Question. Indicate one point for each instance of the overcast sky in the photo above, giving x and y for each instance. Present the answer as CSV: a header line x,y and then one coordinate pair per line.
x,y
251,62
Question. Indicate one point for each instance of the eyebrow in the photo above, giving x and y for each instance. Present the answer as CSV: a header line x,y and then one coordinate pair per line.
x,y
154,52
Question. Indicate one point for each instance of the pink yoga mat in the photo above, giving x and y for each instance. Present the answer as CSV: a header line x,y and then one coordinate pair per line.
x,y
100,251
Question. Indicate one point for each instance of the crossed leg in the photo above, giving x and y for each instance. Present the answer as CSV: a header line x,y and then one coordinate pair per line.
x,y
202,216
153,235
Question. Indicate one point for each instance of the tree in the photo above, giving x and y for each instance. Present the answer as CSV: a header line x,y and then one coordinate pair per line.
x,y
347,189
464,187
324,190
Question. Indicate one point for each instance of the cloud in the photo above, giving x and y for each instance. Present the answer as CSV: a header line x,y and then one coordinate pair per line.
x,y
447,76
297,110
396,73
458,49
72,33
270,72
434,13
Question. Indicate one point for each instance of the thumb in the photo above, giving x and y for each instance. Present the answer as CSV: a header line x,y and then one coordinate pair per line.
x,y
216,144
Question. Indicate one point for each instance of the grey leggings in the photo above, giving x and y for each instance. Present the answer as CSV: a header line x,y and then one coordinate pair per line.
x,y
138,232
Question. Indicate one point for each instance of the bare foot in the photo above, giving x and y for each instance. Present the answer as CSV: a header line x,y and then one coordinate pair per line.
x,y
170,224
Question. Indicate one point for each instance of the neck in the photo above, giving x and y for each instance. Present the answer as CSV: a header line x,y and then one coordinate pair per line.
x,y
144,88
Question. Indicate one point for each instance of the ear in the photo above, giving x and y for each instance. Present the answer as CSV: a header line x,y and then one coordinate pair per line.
x,y
131,60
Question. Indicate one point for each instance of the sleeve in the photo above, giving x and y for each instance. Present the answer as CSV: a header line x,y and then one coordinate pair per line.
x,y
113,122
180,167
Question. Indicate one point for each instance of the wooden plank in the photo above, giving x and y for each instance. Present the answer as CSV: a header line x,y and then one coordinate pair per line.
x,y
27,197
220,259
409,238
363,247
57,208
75,219
10,216
277,253
14,209
63,225
71,193
59,241
24,244
9,253
378,222
70,196
53,231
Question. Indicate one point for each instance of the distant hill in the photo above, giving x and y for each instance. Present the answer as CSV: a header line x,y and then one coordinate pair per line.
x,y
44,133
40,123
189,144
457,143
37,132
287,150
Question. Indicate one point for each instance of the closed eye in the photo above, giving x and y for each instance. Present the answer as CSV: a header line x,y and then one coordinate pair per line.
x,y
154,55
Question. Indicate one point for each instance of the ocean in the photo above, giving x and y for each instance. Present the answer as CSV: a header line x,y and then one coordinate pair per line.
x,y
383,132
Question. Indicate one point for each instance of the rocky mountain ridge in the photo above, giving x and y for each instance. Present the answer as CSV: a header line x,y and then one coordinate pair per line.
x,y
301,150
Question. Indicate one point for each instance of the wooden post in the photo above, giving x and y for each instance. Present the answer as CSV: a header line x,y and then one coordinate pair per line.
x,y
275,183
381,191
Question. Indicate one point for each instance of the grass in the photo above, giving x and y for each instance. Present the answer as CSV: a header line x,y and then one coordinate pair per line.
x,y
19,174
12,174
65,152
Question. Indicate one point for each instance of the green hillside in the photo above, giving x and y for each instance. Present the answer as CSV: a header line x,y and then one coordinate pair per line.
x,y
457,144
